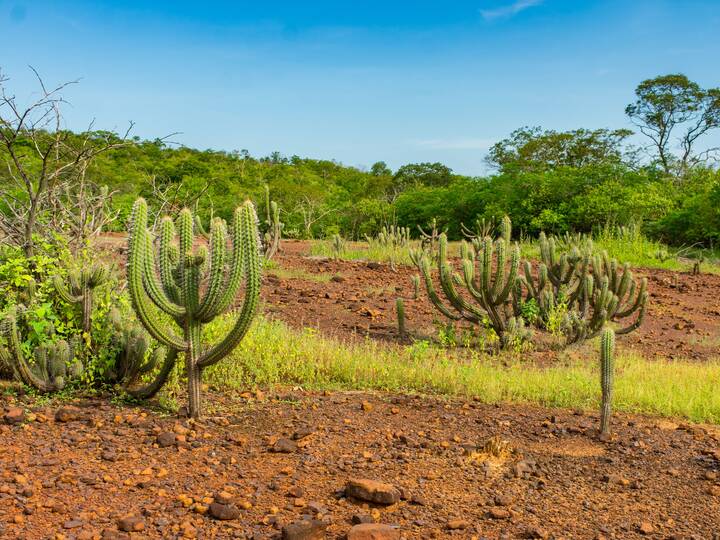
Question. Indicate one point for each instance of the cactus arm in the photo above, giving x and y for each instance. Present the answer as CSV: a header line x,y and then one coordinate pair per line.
x,y
218,251
168,257
149,390
638,321
153,287
424,268
234,280
64,292
136,259
249,245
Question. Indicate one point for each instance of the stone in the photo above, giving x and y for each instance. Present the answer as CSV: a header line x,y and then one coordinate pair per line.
x,y
646,528
67,413
457,524
14,415
497,512
285,446
306,529
131,524
224,512
373,531
372,491
166,439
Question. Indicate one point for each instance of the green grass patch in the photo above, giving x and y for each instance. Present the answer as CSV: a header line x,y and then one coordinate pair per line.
x,y
299,273
273,354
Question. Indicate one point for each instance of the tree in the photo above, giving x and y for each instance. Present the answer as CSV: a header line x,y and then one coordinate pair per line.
x,y
380,168
534,149
42,163
420,174
671,103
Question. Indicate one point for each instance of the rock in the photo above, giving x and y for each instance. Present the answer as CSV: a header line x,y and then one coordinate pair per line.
x,y
537,533
285,446
305,529
523,468
72,524
457,524
67,413
499,513
372,491
224,512
357,519
166,439
14,415
646,528
131,524
373,531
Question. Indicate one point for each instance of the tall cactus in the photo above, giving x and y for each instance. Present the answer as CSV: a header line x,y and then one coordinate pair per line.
x,y
173,285
490,290
338,247
273,227
607,378
415,280
400,308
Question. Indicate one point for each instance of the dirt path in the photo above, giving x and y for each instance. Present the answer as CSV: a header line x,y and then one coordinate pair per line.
x,y
106,470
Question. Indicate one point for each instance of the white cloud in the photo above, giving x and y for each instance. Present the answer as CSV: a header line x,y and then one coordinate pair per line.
x,y
509,10
456,144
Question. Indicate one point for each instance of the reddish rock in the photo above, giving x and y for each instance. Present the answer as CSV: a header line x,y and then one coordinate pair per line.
x,y
304,530
14,415
373,531
372,491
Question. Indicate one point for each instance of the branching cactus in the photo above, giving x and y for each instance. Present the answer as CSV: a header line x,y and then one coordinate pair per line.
x,y
79,290
53,363
172,288
429,239
273,227
607,379
480,229
489,286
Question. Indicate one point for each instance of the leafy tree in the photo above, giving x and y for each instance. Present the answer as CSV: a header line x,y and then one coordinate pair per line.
x,y
673,103
535,149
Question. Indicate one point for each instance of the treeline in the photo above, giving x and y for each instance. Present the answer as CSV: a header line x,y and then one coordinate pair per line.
x,y
544,180
319,197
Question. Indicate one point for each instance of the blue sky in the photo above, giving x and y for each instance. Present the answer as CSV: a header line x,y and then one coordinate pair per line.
x,y
355,81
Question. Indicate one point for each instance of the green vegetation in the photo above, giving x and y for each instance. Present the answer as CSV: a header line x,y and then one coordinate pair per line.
x,y
274,354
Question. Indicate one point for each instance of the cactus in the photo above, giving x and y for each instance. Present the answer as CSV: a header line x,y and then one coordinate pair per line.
x,y
429,240
174,285
400,308
490,290
273,227
480,229
611,293
338,247
607,378
53,363
79,289
415,280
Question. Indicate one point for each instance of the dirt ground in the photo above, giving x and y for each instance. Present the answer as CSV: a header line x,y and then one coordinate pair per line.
x,y
682,322
97,471
280,465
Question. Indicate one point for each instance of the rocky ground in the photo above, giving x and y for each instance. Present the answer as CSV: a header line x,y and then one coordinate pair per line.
x,y
294,465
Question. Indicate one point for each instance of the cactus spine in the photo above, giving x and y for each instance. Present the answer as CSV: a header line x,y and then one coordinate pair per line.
x,y
173,285
400,308
607,378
